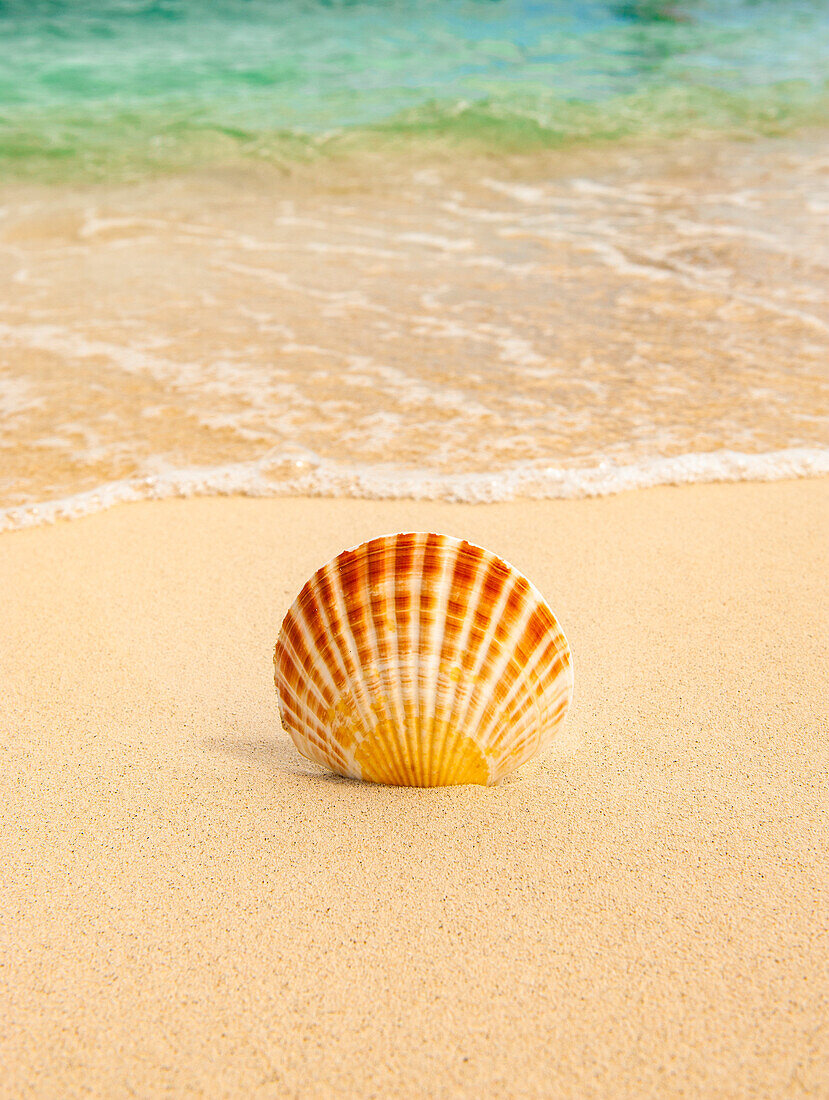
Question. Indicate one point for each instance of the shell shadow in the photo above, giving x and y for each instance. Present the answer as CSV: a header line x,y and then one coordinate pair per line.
x,y
274,754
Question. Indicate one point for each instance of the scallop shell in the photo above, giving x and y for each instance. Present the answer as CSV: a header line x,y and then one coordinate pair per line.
x,y
423,661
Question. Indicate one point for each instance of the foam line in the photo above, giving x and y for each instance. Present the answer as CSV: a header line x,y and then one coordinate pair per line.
x,y
325,478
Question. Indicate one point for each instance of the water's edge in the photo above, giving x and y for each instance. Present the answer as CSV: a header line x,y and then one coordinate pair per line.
x,y
385,483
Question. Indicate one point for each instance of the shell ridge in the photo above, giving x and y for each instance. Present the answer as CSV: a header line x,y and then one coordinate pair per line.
x,y
472,596
389,557
505,715
388,772
317,603
307,633
350,652
386,663
518,732
371,675
500,667
389,550
459,686
308,602
552,662
308,685
526,730
422,731
528,748
453,767
520,725
477,697
433,672
474,684
552,695
525,677
426,621
357,602
325,600
437,767
315,743
417,573
448,766
404,556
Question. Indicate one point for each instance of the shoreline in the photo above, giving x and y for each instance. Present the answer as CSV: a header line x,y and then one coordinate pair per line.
x,y
464,139
328,482
383,163
632,915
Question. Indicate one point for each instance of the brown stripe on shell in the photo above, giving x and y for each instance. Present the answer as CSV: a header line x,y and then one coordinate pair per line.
x,y
530,672
317,743
310,613
542,664
354,581
329,591
468,570
312,721
310,616
396,647
518,672
498,661
475,663
404,610
354,643
313,731
429,575
506,711
295,661
411,667
527,735
505,756
378,578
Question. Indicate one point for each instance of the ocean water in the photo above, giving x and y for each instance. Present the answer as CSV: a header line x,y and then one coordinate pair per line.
x,y
121,85
440,249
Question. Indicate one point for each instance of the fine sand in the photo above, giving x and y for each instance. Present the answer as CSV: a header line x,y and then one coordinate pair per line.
x,y
190,909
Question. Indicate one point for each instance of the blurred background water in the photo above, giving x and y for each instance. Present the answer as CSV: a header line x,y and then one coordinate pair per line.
x,y
93,84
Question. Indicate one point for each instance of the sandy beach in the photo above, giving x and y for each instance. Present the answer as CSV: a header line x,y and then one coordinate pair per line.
x,y
276,278
193,910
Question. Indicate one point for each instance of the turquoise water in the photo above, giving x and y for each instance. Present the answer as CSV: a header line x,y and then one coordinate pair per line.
x,y
89,85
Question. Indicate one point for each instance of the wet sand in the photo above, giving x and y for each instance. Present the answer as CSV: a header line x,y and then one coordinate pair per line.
x,y
191,909
438,327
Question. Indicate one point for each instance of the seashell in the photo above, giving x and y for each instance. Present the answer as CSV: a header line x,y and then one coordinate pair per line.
x,y
421,660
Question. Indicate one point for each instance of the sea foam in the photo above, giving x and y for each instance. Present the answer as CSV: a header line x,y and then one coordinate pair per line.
x,y
387,482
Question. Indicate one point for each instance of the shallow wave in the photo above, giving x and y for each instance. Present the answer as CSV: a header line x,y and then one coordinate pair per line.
x,y
546,120
391,483
103,141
